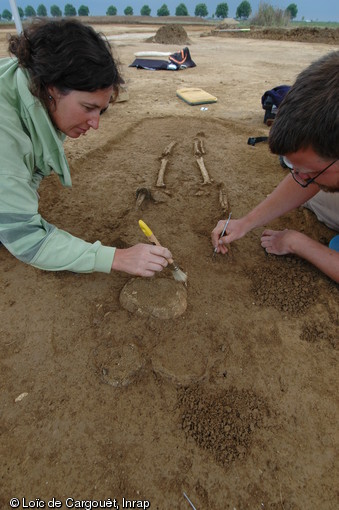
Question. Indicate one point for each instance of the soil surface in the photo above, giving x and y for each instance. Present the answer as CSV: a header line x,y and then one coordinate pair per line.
x,y
300,34
170,34
233,403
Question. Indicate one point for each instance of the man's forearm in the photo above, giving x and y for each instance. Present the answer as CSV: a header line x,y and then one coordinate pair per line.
x,y
320,256
288,195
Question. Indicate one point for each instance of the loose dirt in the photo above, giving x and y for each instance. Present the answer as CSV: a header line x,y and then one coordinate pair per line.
x,y
233,402
300,34
170,34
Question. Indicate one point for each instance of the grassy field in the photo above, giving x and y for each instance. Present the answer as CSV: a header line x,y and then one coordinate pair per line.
x,y
319,24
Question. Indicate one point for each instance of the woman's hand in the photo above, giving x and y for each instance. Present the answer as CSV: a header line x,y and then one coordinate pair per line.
x,y
141,259
235,230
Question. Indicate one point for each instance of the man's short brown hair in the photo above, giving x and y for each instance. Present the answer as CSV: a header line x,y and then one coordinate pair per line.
x,y
309,114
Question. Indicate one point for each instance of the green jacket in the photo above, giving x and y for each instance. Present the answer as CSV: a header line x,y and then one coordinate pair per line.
x,y
30,149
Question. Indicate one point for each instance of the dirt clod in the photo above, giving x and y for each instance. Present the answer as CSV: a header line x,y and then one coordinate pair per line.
x,y
221,423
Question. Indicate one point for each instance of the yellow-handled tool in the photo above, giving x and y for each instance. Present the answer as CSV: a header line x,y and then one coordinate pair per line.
x,y
179,275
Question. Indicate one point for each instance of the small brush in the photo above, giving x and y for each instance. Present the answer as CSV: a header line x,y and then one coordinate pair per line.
x,y
178,275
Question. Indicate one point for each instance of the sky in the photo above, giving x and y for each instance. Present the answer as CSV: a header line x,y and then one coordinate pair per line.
x,y
316,10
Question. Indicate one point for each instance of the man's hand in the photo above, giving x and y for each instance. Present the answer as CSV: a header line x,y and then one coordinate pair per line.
x,y
278,242
235,230
291,241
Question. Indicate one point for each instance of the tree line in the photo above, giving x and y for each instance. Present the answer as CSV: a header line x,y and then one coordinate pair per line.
x,y
243,11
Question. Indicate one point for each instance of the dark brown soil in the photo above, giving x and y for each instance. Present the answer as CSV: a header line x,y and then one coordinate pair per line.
x,y
302,34
234,401
170,34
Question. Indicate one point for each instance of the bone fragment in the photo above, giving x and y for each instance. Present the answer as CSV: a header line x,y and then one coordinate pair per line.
x,y
141,194
199,149
196,148
21,396
160,182
204,173
160,196
223,198
167,151
140,199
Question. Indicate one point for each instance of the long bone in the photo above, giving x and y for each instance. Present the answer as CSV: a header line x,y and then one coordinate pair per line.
x,y
164,160
223,198
204,173
160,182
199,150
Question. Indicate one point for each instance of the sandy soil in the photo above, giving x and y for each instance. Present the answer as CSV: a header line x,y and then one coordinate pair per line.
x,y
233,402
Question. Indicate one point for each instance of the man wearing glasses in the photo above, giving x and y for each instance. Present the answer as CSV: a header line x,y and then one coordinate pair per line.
x,y
306,133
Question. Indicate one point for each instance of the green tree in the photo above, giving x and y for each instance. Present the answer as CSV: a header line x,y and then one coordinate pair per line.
x,y
243,10
21,12
145,10
222,10
128,11
55,11
181,10
30,11
41,11
70,10
83,10
292,10
6,14
111,11
201,10
163,11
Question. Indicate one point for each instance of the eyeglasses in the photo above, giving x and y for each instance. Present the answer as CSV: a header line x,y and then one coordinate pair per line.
x,y
295,174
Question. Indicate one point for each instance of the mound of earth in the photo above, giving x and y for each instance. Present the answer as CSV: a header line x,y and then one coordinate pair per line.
x,y
170,34
303,34
300,34
227,23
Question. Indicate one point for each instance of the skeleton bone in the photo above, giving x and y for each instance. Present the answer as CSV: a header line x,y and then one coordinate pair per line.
x,y
204,173
223,199
167,151
141,194
160,182
198,147
164,160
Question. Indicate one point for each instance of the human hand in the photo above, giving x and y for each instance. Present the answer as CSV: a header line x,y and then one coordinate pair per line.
x,y
235,230
291,241
141,259
278,242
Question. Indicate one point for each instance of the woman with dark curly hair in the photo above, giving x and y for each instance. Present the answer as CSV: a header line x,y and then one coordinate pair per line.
x,y
59,80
